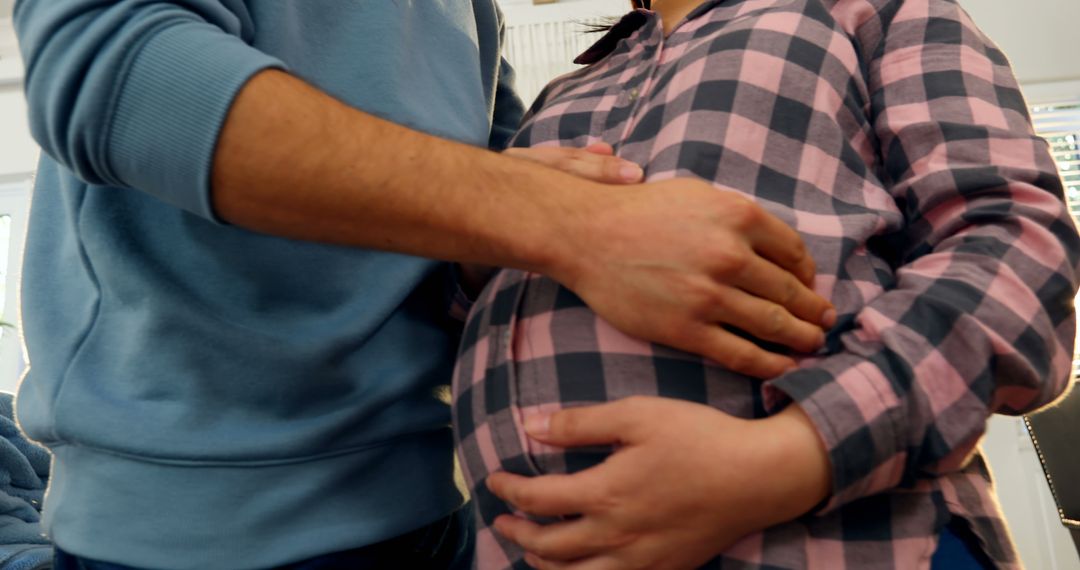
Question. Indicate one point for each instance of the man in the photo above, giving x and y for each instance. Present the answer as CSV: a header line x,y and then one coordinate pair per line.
x,y
221,382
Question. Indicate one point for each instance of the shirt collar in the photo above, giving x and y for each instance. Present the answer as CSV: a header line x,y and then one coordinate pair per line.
x,y
625,27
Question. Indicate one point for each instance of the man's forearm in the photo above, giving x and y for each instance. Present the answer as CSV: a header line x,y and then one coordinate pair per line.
x,y
294,162
665,261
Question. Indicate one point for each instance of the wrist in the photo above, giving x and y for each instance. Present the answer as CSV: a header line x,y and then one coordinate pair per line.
x,y
569,230
803,468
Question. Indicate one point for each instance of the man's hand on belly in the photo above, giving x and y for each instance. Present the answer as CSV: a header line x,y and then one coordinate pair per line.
x,y
673,261
685,483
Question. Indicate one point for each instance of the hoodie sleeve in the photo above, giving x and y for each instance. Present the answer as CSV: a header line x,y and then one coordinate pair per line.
x,y
133,93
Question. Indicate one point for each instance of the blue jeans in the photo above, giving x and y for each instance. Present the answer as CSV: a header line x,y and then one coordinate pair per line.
x,y
954,551
443,545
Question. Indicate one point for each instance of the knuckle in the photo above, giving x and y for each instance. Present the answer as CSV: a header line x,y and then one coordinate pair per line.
x,y
775,320
522,499
719,301
732,261
543,547
612,166
563,424
790,292
614,539
799,252
738,359
742,212
681,337
604,497
704,301
566,163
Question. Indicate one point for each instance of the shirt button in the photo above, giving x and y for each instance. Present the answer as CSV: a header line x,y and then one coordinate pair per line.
x,y
508,335
634,94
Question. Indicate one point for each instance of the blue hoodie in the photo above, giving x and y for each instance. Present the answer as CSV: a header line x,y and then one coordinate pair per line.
x,y
215,397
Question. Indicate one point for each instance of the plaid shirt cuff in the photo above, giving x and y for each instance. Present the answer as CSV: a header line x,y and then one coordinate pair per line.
x,y
859,418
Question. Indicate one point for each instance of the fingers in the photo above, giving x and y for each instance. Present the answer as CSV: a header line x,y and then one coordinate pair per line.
x,y
601,424
594,162
781,245
767,321
775,240
568,540
547,495
766,280
737,354
594,563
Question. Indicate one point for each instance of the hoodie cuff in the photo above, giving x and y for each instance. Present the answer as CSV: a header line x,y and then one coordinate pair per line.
x,y
168,115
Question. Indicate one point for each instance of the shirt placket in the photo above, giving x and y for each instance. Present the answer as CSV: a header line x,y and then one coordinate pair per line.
x,y
634,92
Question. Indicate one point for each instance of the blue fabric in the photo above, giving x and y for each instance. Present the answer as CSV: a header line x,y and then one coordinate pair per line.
x,y
24,472
953,553
444,545
243,397
26,557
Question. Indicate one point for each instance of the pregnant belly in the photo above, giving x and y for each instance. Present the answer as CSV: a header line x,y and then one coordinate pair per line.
x,y
566,354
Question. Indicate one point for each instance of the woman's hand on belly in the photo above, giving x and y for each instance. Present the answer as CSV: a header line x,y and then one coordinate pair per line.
x,y
685,483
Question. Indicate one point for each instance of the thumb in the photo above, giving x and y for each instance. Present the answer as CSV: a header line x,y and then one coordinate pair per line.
x,y
601,148
602,424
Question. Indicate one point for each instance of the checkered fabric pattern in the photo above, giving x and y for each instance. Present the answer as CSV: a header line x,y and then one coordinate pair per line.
x,y
892,135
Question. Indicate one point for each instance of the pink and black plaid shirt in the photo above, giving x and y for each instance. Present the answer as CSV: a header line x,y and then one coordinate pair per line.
x,y
892,135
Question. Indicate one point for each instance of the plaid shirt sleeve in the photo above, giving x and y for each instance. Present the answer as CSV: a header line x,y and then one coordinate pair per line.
x,y
980,317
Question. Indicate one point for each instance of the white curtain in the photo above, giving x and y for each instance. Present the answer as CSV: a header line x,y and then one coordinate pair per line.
x,y
541,51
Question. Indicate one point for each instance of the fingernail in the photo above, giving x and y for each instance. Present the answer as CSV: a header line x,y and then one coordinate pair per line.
x,y
631,172
537,425
829,318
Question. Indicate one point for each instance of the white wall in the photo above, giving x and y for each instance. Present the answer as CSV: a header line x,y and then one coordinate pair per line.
x,y
1039,36
18,153
18,157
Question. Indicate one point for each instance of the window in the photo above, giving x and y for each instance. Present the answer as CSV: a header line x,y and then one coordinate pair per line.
x,y
14,207
542,41
1056,115
1059,124
542,51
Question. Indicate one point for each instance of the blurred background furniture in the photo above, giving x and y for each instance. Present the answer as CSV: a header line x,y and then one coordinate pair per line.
x,y
1055,432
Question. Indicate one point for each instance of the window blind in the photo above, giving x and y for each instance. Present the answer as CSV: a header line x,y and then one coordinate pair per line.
x,y
1059,123
542,51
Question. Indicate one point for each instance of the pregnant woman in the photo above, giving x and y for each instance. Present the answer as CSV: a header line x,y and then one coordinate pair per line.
x,y
891,135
